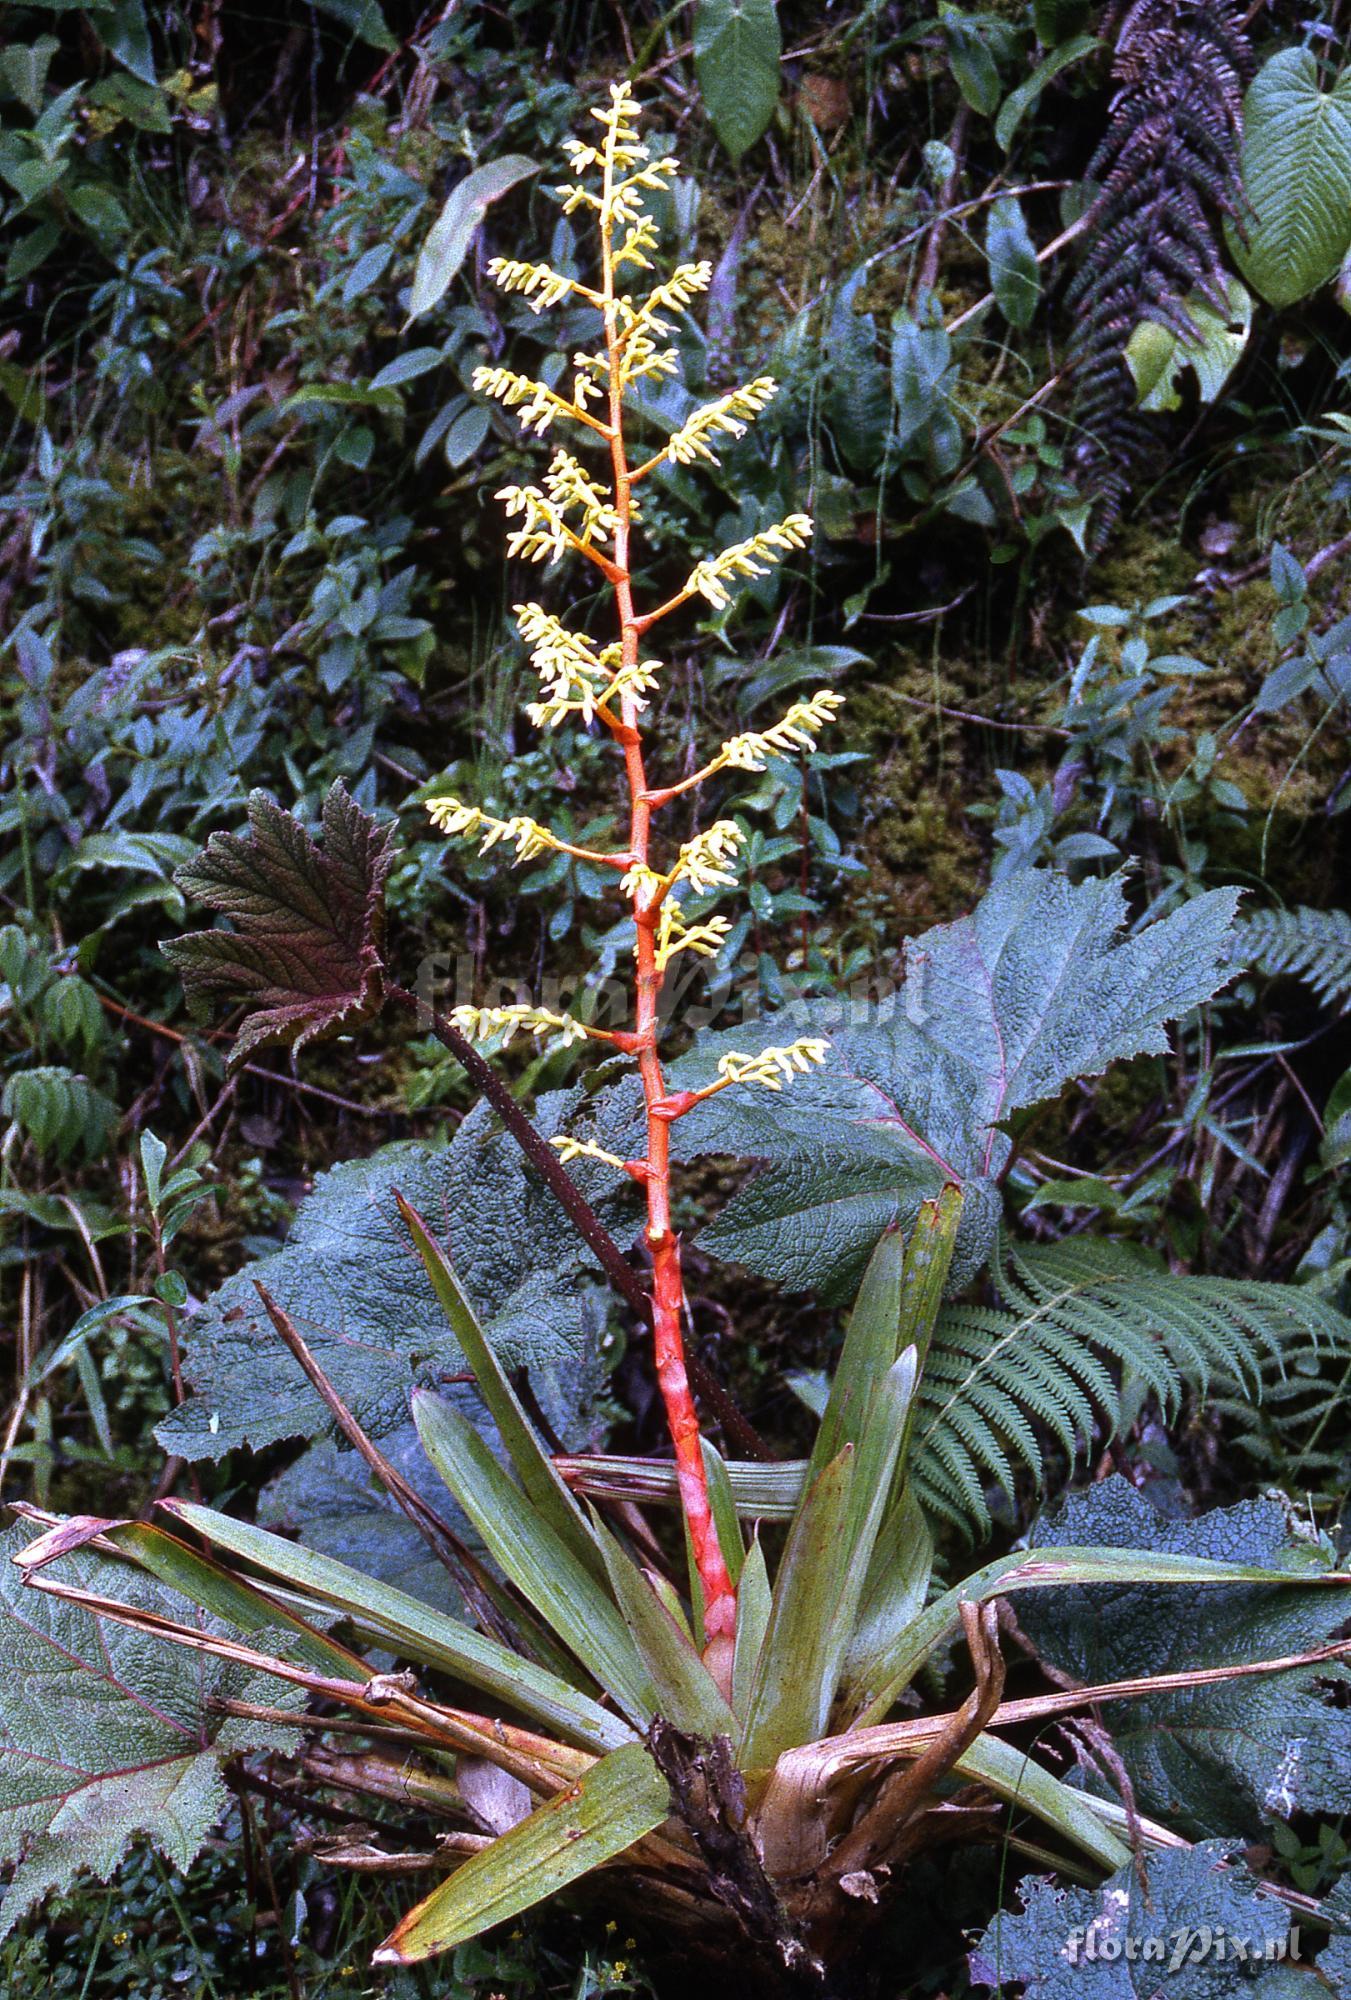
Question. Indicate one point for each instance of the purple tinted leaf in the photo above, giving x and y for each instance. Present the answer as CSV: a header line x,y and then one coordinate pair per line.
x,y
305,946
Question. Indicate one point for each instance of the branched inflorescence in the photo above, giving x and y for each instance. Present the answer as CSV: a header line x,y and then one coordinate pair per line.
x,y
1168,168
591,513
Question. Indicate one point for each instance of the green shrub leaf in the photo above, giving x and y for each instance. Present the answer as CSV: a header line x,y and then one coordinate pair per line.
x,y
447,244
1178,1898
351,1280
737,47
999,1010
106,1733
1297,177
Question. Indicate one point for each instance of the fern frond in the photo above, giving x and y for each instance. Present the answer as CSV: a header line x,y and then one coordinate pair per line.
x,y
1168,175
1296,1435
1076,1318
1312,945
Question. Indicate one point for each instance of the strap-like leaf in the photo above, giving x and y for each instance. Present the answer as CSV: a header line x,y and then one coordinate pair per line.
x,y
415,1629
619,1800
686,1692
794,1678
1047,1569
530,1462
549,1576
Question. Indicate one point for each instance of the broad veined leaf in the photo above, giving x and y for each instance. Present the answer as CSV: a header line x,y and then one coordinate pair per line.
x,y
448,241
1157,355
356,1288
737,47
308,922
1296,168
1149,1933
619,1800
857,393
1014,277
1219,1759
363,18
106,1733
998,1011
1020,101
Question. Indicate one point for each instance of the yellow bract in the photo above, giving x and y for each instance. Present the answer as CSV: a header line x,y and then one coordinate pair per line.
x,y
704,861
535,403
492,1024
756,556
794,730
727,417
527,835
674,934
578,678
774,1067
539,283
582,1149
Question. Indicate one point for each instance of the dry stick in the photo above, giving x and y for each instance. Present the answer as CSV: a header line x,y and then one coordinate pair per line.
x,y
544,1766
580,1213
245,1069
467,1572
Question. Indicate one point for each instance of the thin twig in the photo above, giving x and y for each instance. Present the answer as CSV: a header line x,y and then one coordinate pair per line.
x,y
470,1578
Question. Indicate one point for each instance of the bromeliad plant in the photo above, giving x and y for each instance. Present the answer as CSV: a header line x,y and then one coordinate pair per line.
x,y
724,1747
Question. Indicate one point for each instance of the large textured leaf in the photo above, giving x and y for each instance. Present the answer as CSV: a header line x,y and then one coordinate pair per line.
x,y
351,1279
308,923
106,1733
998,1011
619,1800
1149,1933
1297,177
1014,277
331,1500
448,241
737,47
1219,1759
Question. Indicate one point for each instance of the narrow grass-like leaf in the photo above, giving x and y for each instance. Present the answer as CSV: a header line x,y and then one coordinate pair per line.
x,y
207,1584
794,1679
869,1501
896,1586
686,1692
754,1603
529,1460
619,1800
416,1630
1012,1774
1043,1569
533,1557
869,1350
760,1491
723,1502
